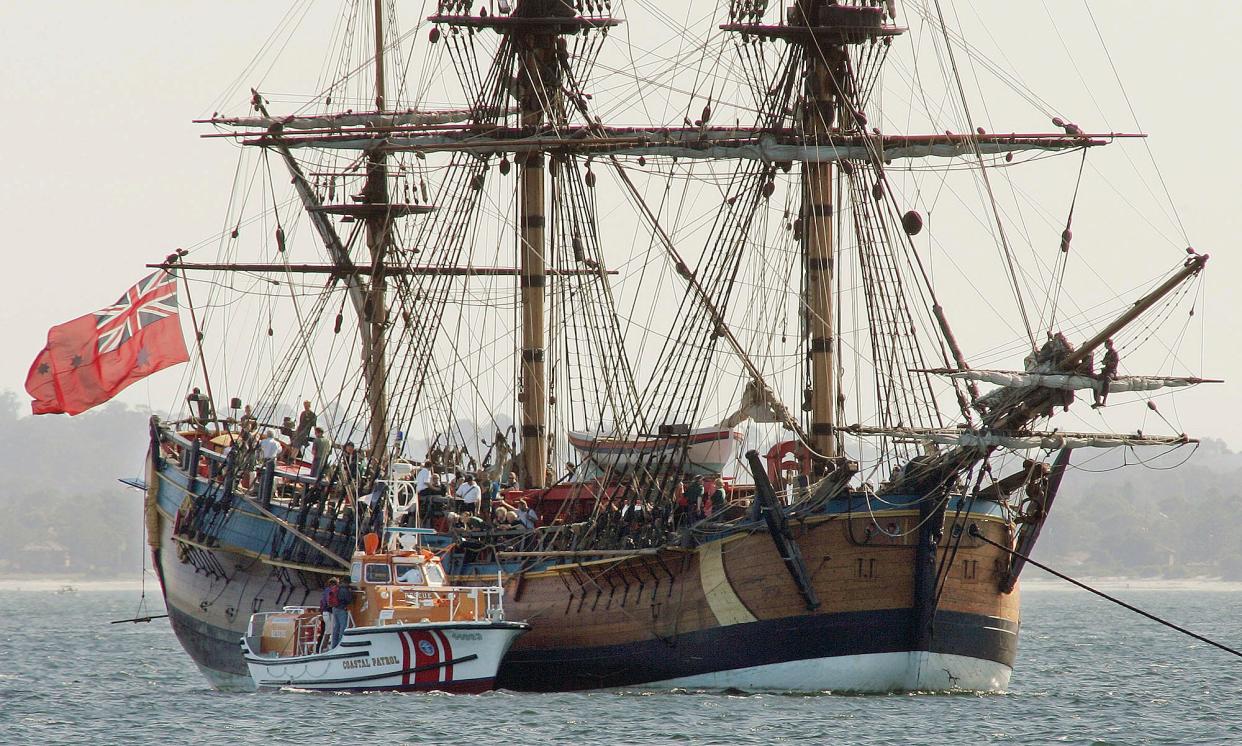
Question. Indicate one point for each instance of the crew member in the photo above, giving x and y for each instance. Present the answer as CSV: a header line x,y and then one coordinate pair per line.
x,y
306,422
323,448
1108,373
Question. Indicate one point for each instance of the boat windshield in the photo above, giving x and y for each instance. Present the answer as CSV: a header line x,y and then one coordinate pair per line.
x,y
435,576
411,573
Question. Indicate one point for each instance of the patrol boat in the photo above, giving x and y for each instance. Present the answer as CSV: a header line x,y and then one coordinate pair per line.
x,y
409,631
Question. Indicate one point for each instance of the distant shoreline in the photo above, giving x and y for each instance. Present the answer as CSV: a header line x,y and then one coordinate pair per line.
x,y
52,584
1040,584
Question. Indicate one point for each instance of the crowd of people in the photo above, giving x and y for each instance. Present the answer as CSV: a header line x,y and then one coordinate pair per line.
x,y
448,496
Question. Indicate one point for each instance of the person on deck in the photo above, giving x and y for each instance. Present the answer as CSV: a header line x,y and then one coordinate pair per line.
x,y
694,497
470,495
326,600
717,497
269,449
423,478
323,449
349,463
681,504
340,610
306,423
527,516
248,422
1108,373
286,429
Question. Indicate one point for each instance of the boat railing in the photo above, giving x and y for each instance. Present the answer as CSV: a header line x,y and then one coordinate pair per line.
x,y
450,602
293,631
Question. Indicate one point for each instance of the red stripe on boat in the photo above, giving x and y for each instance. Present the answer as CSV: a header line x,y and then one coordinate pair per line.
x,y
448,655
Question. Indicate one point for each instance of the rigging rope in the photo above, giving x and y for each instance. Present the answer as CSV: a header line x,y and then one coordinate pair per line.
x,y
976,533
1006,249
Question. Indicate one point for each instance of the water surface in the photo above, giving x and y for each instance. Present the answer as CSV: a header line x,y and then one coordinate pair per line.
x,y
1087,673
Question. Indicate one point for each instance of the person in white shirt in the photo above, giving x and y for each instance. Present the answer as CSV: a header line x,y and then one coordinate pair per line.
x,y
268,447
470,494
423,477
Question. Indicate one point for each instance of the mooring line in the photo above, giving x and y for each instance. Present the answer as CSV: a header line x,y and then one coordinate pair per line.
x,y
975,532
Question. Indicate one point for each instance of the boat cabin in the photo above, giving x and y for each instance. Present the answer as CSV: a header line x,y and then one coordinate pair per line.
x,y
391,586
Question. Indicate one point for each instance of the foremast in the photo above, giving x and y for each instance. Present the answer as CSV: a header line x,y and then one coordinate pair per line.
x,y
825,66
378,236
534,33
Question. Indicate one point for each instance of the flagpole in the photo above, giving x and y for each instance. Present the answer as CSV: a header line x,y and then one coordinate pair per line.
x,y
198,340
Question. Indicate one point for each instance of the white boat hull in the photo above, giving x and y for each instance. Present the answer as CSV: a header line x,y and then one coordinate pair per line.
x,y
873,672
708,451
452,656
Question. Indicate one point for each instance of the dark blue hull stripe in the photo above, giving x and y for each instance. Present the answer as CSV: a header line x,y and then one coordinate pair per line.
x,y
754,644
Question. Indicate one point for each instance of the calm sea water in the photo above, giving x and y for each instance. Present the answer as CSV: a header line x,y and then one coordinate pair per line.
x,y
1087,673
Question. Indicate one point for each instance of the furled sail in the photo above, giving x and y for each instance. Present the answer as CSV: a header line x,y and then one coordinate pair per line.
x,y
1069,381
755,405
347,119
970,438
697,143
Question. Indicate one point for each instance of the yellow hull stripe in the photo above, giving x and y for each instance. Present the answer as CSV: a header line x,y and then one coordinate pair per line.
x,y
722,599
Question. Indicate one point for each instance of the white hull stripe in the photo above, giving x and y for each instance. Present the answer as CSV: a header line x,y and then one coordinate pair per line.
x,y
872,673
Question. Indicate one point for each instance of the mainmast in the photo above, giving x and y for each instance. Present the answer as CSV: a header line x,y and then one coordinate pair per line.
x,y
822,29
378,222
536,69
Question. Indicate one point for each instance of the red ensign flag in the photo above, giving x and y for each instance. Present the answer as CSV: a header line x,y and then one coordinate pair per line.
x,y
93,358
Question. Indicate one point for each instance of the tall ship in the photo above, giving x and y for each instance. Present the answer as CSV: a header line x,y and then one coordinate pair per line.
x,y
645,317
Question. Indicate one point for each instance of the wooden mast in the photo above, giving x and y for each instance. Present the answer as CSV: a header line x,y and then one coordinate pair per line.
x,y
823,72
536,71
374,348
823,29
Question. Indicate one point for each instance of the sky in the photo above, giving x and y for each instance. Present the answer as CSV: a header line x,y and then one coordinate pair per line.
x,y
106,172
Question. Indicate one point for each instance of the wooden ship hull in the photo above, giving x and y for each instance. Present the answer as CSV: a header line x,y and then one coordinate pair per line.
x,y
726,613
